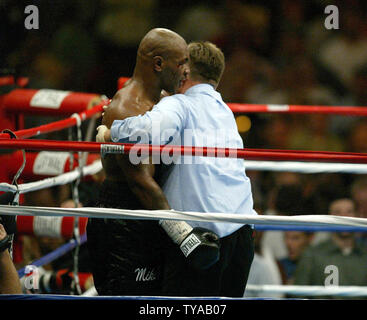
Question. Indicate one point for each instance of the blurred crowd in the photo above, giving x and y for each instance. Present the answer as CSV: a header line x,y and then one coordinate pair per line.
x,y
277,52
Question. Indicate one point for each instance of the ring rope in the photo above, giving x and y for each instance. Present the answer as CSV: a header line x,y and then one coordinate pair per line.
x,y
57,125
284,108
75,197
20,170
53,255
309,228
78,119
126,148
341,291
306,167
89,136
297,220
235,107
294,290
91,292
96,167
62,179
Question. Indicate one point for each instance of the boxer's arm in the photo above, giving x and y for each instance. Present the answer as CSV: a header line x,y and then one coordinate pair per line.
x,y
147,190
142,184
139,177
9,280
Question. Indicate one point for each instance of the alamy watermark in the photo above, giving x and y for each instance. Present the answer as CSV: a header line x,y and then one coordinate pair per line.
x,y
32,19
191,146
332,20
32,275
333,276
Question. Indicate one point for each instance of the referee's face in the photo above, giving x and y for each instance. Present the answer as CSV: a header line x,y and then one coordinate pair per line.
x,y
176,70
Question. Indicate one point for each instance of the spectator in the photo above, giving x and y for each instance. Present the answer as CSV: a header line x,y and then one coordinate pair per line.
x,y
346,51
246,26
135,20
359,195
357,139
288,201
341,250
277,132
263,271
353,127
238,76
190,26
296,242
358,88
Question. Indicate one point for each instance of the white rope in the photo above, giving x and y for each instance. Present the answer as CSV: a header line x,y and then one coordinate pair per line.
x,y
343,291
62,179
75,196
96,166
305,167
77,118
91,292
302,220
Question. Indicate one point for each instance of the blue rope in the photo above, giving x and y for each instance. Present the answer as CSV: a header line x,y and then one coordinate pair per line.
x,y
54,254
309,228
139,298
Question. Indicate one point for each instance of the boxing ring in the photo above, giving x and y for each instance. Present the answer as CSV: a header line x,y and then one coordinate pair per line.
x,y
69,162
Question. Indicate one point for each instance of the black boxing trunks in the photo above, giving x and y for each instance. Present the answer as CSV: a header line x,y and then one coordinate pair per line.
x,y
125,254
227,278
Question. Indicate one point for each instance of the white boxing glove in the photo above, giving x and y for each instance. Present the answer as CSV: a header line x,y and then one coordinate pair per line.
x,y
101,130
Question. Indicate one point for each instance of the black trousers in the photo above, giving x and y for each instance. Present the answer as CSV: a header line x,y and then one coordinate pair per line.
x,y
227,278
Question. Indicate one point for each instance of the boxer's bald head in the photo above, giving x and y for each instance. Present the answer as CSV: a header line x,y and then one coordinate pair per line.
x,y
163,56
160,42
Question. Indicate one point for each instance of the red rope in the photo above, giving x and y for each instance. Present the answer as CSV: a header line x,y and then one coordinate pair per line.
x,y
269,108
235,107
57,125
249,154
276,108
